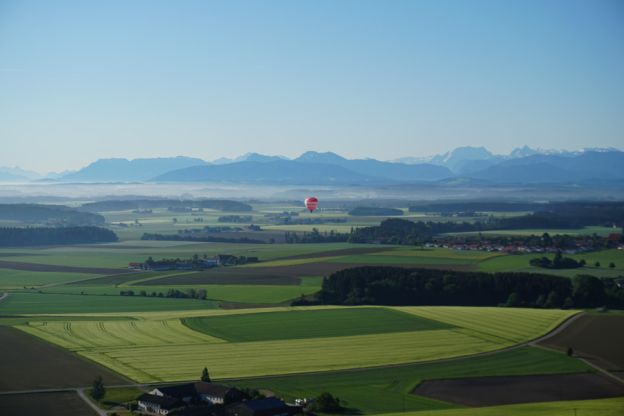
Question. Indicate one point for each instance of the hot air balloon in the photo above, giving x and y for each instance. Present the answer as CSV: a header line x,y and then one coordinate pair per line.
x,y
311,203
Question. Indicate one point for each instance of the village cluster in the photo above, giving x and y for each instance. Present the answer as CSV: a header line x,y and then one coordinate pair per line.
x,y
194,263
206,398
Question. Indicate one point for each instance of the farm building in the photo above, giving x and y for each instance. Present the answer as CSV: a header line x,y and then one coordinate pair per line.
x,y
270,406
199,392
226,259
160,405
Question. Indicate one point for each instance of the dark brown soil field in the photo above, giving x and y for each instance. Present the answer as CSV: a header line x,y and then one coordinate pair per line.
x,y
229,276
597,338
277,275
49,404
115,279
334,253
35,267
492,391
27,363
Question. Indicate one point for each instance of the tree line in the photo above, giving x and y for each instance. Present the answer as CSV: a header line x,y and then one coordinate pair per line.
x,y
200,237
42,236
380,211
51,214
171,293
571,214
400,231
133,204
380,285
558,262
315,236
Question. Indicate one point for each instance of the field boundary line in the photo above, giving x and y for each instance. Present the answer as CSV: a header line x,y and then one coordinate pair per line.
x,y
149,278
562,326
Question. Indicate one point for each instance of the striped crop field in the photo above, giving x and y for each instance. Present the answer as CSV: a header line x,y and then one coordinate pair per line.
x,y
504,324
81,335
149,350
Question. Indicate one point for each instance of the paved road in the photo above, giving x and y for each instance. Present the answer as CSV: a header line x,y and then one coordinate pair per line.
x,y
93,406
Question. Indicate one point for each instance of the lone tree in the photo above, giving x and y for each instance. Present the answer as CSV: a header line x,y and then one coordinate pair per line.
x,y
597,264
205,376
327,403
98,391
570,352
611,265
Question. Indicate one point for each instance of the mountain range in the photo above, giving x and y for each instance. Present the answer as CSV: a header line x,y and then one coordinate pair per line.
x,y
468,164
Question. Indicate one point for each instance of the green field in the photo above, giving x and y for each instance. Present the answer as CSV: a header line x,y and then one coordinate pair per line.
x,y
251,294
311,324
18,279
389,389
475,330
520,263
45,303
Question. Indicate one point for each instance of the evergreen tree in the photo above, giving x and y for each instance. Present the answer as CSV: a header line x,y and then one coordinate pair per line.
x,y
98,391
205,376
553,300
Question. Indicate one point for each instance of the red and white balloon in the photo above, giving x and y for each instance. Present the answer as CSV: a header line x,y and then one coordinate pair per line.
x,y
311,203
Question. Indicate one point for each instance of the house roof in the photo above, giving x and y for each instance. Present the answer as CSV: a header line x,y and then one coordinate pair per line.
x,y
264,404
194,389
163,401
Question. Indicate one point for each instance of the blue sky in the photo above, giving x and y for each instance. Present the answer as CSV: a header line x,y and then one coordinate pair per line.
x,y
81,80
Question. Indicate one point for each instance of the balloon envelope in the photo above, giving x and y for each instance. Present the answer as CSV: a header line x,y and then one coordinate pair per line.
x,y
311,203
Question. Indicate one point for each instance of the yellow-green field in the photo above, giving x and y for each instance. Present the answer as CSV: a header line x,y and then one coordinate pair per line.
x,y
157,347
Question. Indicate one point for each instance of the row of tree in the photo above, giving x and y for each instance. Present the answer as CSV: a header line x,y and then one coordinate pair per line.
x,y
134,204
558,262
400,231
315,236
375,211
41,236
571,214
200,237
48,214
171,293
409,286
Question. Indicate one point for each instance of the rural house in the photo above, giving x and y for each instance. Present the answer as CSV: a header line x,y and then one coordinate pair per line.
x,y
270,406
226,259
160,405
200,391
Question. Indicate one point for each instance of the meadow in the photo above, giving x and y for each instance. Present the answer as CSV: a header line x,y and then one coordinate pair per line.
x,y
129,353
18,279
377,390
311,324
51,303
520,263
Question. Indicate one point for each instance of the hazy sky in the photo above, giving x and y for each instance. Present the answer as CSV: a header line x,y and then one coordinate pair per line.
x,y
81,80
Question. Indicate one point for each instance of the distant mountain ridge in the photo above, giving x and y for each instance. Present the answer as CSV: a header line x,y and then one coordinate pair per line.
x,y
124,170
277,172
463,165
